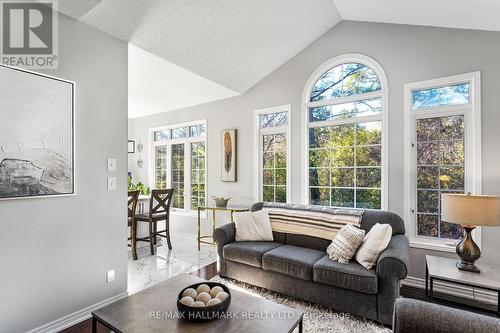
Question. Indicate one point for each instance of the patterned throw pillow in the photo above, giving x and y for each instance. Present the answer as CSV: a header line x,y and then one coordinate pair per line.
x,y
345,244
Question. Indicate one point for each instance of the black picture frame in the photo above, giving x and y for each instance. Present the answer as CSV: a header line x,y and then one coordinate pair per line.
x,y
131,146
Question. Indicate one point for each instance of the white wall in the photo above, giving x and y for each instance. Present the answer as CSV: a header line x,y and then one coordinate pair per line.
x,y
55,251
407,54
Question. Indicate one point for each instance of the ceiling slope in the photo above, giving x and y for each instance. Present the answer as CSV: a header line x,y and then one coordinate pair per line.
x,y
156,85
235,43
462,14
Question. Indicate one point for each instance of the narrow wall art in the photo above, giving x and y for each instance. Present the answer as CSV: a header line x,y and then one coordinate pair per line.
x,y
228,149
36,135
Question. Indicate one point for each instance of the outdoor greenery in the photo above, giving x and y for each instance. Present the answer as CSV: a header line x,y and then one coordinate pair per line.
x,y
144,190
161,167
345,165
274,167
361,108
440,169
197,174
178,175
345,80
345,161
449,95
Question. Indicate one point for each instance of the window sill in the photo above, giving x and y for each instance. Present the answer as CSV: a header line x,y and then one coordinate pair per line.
x,y
442,247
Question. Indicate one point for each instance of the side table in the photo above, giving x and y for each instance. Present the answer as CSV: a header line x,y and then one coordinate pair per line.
x,y
445,269
230,209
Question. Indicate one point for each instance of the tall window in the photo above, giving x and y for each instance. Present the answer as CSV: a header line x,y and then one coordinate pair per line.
x,y
272,143
180,163
345,101
198,171
442,119
178,175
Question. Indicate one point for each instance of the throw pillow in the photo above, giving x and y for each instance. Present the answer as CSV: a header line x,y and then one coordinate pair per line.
x,y
376,241
345,244
253,226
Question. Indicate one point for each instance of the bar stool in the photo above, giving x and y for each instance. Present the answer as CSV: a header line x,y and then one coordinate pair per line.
x,y
133,197
159,210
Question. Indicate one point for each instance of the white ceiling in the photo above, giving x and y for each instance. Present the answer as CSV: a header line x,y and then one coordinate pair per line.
x,y
156,85
463,14
235,43
211,49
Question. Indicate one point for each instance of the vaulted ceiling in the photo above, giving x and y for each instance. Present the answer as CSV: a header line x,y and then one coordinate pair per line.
x,y
461,14
236,43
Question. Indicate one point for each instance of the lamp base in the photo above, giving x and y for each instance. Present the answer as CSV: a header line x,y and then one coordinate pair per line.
x,y
468,251
463,266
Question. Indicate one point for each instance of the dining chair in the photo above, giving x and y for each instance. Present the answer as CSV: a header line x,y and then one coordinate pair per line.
x,y
159,210
133,197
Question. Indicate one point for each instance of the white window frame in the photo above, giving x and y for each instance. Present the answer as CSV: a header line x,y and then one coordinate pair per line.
x,y
257,148
187,161
383,118
472,149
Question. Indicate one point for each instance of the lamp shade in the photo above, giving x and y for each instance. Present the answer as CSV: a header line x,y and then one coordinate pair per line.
x,y
471,210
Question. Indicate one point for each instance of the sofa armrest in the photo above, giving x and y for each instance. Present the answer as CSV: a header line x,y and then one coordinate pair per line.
x,y
412,316
224,235
392,266
393,261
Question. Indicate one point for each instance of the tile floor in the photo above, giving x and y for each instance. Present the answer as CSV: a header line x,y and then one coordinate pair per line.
x,y
148,270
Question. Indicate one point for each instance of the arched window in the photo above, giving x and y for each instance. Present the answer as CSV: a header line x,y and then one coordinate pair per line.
x,y
345,109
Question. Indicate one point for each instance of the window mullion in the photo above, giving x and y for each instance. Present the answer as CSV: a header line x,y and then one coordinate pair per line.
x,y
169,165
187,175
355,165
345,99
346,121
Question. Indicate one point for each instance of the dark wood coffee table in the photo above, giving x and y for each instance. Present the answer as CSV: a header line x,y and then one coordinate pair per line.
x,y
154,310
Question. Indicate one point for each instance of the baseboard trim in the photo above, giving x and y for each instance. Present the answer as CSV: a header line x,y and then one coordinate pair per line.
x,y
75,317
457,290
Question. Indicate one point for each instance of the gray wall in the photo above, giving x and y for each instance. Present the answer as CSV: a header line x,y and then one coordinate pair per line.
x,y
55,251
407,54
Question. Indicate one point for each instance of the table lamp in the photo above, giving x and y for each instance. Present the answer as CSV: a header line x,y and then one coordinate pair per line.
x,y
470,211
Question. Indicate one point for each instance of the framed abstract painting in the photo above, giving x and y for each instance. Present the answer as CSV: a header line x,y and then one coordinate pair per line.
x,y
36,135
228,149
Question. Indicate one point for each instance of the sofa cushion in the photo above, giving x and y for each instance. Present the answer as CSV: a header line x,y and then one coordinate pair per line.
x,y
249,253
292,260
350,276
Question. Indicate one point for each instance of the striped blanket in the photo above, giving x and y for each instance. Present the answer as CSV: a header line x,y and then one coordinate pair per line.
x,y
316,221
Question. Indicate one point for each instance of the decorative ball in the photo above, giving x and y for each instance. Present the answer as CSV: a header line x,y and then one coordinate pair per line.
x,y
215,290
203,288
198,304
203,297
187,300
190,292
213,301
222,295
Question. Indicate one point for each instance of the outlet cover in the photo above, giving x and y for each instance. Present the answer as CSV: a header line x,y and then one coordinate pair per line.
x,y
111,183
110,276
111,164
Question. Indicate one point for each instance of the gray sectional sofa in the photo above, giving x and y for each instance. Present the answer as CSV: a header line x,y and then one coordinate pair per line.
x,y
297,266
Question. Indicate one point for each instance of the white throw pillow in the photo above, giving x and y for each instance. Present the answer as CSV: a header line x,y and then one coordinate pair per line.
x,y
345,244
253,226
376,241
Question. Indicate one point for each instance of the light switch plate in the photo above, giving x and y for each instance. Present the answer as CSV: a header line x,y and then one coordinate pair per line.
x,y
111,164
110,276
111,183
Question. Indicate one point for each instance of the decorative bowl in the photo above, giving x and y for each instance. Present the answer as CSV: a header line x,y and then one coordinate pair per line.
x,y
207,312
